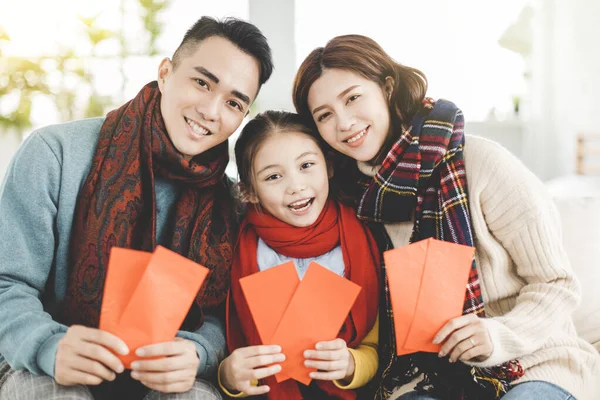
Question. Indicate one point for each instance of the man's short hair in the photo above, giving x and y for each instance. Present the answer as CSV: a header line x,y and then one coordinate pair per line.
x,y
244,35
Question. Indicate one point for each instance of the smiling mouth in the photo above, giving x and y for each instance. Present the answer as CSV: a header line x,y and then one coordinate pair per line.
x,y
199,130
354,138
301,205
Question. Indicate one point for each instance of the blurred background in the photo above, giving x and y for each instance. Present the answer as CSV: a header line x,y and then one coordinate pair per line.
x,y
525,73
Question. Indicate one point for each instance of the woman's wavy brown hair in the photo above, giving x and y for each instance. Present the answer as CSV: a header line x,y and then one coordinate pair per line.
x,y
365,57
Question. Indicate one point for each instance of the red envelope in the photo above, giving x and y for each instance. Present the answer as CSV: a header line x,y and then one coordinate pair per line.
x,y
124,271
442,294
268,294
427,283
316,313
404,267
144,306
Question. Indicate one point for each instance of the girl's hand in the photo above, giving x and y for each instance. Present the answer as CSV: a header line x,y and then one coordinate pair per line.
x,y
249,363
332,360
466,338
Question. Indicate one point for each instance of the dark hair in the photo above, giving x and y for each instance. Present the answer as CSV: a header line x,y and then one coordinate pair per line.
x,y
255,133
244,35
365,57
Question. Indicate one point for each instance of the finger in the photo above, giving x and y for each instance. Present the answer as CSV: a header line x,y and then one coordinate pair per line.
x,y
179,387
455,338
172,348
252,351
452,325
261,373
164,364
164,378
102,338
263,360
101,354
326,365
255,390
73,377
92,367
336,344
327,376
474,352
460,348
324,355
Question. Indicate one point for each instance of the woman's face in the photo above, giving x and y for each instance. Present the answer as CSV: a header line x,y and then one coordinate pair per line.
x,y
351,113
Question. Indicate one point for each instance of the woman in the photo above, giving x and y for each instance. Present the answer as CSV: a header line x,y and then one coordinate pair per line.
x,y
402,160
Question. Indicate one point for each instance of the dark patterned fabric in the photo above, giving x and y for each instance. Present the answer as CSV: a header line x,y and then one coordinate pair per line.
x,y
423,177
116,207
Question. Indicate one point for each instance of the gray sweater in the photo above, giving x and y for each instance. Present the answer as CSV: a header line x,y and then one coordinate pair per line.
x,y
37,204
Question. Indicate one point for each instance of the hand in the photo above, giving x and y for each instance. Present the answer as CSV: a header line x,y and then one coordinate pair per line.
x,y
332,360
174,372
248,363
84,357
466,338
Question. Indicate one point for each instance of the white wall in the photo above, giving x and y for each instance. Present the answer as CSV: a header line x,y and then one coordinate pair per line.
x,y
565,79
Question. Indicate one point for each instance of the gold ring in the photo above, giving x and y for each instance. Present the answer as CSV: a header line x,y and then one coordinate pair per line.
x,y
472,341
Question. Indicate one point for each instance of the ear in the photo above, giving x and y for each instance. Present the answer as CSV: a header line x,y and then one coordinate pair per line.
x,y
164,70
389,87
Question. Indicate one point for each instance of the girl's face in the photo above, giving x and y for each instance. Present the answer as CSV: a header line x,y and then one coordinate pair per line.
x,y
290,178
351,113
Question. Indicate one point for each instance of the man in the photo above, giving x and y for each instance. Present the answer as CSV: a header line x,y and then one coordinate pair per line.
x,y
149,173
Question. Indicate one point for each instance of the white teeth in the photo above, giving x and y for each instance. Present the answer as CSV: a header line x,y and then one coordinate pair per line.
x,y
355,138
197,128
300,205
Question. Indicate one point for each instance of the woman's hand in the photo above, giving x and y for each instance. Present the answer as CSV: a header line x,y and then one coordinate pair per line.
x,y
249,363
332,360
466,338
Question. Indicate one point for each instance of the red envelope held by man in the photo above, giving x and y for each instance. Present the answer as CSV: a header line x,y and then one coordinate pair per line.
x,y
147,296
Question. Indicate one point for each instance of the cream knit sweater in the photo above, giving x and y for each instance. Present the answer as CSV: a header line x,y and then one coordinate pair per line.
x,y
526,281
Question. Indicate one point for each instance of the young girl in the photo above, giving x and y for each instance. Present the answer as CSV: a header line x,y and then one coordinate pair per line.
x,y
284,177
412,162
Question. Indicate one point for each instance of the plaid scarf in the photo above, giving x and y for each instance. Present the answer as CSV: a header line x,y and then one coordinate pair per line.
x,y
424,176
116,207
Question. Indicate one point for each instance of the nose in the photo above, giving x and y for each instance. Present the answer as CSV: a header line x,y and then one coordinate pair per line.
x,y
345,121
210,110
296,185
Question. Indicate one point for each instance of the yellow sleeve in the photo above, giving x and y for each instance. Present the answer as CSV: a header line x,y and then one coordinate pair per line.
x,y
366,360
227,392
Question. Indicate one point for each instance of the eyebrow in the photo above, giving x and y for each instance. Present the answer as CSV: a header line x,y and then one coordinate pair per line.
x,y
306,153
339,96
243,97
266,168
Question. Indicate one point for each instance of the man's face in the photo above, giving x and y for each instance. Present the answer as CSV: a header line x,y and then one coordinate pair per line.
x,y
206,96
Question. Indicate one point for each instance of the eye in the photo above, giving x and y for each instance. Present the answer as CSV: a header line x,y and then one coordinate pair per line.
x,y
352,98
272,177
202,83
323,116
235,104
307,165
